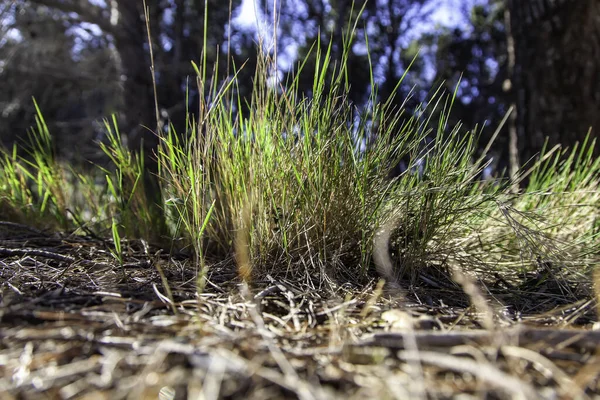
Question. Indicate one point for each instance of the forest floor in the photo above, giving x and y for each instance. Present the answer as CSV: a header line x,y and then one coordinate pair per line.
x,y
73,326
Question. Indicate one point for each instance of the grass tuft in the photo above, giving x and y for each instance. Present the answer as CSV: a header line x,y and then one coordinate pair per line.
x,y
301,186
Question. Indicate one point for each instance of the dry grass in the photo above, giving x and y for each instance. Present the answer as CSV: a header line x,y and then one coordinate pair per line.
x,y
73,328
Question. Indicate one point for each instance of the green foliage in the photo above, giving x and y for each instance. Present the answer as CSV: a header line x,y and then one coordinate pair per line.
x,y
301,186
126,186
117,251
33,186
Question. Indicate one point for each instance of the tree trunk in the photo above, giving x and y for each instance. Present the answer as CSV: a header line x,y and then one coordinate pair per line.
x,y
557,65
138,118
509,88
138,112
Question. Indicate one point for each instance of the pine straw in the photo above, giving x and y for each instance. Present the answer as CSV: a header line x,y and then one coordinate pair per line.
x,y
73,328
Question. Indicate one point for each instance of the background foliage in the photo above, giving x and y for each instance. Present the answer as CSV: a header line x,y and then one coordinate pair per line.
x,y
84,60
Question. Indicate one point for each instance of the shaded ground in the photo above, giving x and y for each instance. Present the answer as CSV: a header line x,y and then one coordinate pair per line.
x,y
76,328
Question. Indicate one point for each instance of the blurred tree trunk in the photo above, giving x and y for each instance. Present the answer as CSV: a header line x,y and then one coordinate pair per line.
x,y
555,77
139,119
131,39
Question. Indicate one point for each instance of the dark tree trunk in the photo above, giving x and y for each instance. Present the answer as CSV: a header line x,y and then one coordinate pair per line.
x,y
556,73
138,111
138,117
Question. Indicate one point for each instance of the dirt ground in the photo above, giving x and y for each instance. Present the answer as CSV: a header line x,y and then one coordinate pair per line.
x,y
75,325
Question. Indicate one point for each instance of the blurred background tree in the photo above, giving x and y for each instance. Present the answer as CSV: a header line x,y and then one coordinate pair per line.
x,y
74,82
474,57
555,79
86,59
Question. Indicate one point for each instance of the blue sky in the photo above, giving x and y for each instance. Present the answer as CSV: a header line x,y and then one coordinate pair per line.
x,y
249,16
445,13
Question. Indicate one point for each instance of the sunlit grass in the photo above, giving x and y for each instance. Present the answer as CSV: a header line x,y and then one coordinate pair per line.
x,y
33,187
300,186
